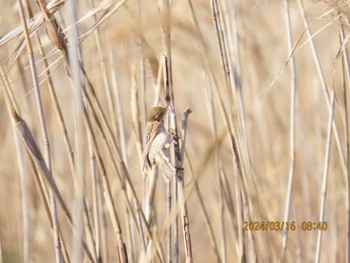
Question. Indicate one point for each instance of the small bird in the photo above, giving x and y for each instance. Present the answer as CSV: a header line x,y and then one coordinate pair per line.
x,y
158,139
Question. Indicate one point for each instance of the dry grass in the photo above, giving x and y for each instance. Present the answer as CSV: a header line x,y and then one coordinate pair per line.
x,y
267,140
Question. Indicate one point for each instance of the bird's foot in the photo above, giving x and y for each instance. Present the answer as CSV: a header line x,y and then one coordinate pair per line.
x,y
173,135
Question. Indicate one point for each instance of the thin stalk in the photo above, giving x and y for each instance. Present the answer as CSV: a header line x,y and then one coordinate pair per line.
x,y
132,249
124,155
323,83
230,22
135,114
203,163
95,206
142,66
24,196
57,38
325,177
107,194
346,79
122,173
119,107
57,241
1,253
169,236
206,214
74,63
233,140
43,172
165,15
151,190
176,223
74,70
212,118
40,183
292,128
21,166
157,86
222,222
220,37
225,42
181,191
104,72
103,218
140,225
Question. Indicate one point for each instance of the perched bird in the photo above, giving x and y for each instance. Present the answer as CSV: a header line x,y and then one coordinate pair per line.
x,y
156,151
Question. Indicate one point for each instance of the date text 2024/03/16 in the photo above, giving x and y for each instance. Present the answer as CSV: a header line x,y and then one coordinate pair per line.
x,y
284,225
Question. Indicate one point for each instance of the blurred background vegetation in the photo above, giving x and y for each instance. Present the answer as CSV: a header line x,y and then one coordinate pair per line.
x,y
255,95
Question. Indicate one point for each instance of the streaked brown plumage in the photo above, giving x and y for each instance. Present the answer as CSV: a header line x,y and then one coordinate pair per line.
x,y
156,114
156,151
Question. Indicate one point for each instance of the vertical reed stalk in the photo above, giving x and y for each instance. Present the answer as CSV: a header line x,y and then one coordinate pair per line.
x,y
346,79
1,253
74,54
325,177
291,128
212,119
44,132
165,16
95,205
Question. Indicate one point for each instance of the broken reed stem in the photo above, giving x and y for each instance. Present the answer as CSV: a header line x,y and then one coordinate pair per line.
x,y
292,128
57,241
181,189
165,14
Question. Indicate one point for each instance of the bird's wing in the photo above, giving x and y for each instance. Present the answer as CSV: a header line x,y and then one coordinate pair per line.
x,y
151,132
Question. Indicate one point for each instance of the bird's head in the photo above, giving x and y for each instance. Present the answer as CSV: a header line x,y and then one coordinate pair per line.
x,y
156,113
